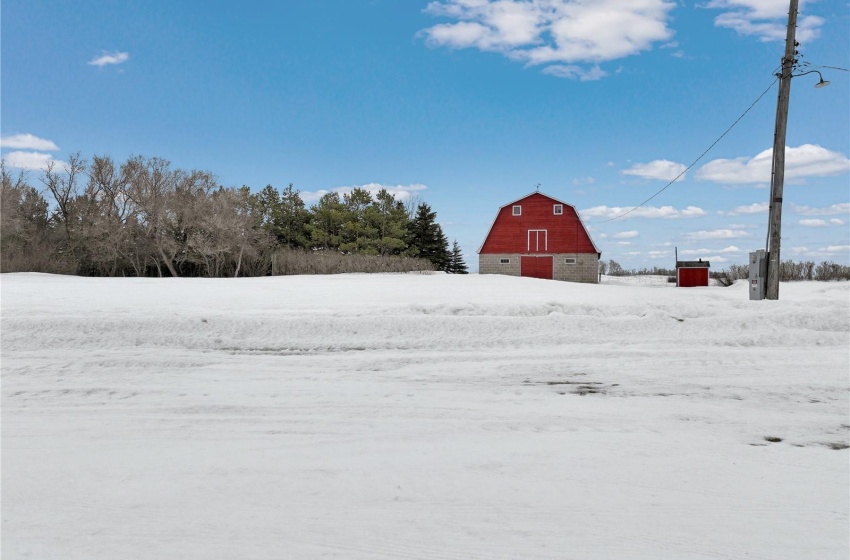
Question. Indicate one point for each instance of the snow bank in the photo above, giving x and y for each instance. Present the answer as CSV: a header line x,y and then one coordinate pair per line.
x,y
422,416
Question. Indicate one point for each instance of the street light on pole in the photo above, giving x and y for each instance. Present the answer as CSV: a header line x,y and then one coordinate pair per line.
x,y
821,83
777,178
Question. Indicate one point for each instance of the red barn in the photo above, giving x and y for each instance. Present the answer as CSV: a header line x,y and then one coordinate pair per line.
x,y
540,237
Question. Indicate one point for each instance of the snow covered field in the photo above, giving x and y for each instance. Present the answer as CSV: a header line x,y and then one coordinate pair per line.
x,y
422,416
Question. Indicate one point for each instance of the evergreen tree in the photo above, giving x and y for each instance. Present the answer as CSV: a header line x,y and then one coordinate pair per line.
x,y
389,219
263,206
283,215
326,220
358,235
291,219
456,263
443,255
427,240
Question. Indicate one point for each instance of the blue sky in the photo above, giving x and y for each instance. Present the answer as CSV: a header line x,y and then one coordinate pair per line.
x,y
467,104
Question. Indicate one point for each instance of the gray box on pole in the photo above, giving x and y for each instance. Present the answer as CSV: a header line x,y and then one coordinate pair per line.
x,y
758,271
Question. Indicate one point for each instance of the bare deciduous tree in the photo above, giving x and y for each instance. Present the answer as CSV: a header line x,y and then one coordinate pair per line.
x,y
62,183
151,183
24,229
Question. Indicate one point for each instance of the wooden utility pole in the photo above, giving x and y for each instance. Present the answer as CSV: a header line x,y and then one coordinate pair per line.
x,y
777,179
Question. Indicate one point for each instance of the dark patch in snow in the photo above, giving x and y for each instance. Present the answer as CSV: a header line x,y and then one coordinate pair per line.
x,y
587,390
572,382
576,387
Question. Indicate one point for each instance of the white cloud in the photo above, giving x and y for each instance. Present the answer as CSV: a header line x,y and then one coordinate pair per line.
x,y
461,35
693,212
716,234
622,243
558,32
400,192
31,160
828,252
572,71
626,235
840,208
659,169
836,249
729,249
578,181
107,59
664,212
817,222
765,19
312,196
658,254
27,142
754,208
678,53
708,257
808,160
823,252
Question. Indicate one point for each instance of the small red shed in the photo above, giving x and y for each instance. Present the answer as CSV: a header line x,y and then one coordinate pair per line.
x,y
540,237
690,274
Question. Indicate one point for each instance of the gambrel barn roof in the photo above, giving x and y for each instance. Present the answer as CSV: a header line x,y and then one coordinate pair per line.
x,y
566,231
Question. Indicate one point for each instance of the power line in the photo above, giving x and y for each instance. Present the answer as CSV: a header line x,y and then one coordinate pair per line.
x,y
833,68
719,138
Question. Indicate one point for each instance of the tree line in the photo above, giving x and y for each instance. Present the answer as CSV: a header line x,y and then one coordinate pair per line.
x,y
794,271
144,217
789,271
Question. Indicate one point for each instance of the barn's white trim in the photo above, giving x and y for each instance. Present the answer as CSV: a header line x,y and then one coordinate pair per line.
x,y
537,240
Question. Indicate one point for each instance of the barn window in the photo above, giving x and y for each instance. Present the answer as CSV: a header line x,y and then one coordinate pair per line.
x,y
558,209
570,260
517,210
504,261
